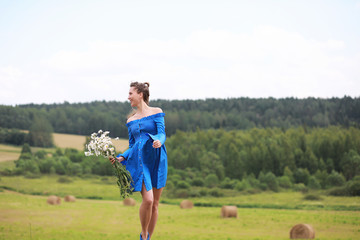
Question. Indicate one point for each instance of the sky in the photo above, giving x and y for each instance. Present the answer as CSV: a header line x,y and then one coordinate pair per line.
x,y
82,51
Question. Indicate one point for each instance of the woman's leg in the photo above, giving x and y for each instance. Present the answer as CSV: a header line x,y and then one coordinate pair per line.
x,y
155,206
145,210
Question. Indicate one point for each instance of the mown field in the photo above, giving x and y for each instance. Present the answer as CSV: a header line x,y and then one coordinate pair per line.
x,y
99,213
11,153
30,217
77,142
96,187
24,216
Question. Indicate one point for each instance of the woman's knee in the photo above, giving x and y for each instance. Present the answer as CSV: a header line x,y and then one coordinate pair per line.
x,y
148,201
155,205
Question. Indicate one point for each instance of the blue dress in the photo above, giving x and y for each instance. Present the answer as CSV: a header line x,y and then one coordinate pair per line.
x,y
145,163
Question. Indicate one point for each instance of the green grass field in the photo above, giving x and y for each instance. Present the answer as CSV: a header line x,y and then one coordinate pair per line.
x,y
30,217
99,213
24,216
96,187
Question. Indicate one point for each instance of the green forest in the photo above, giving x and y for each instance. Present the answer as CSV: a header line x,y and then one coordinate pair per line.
x,y
189,115
244,160
242,144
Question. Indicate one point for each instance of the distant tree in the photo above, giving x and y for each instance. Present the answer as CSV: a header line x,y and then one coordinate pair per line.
x,y
313,183
329,165
41,154
227,183
59,152
261,177
75,169
322,176
301,175
354,188
284,182
59,168
335,179
40,134
26,148
211,180
241,185
271,181
45,165
12,136
183,185
197,182
210,163
29,166
289,174
351,164
251,179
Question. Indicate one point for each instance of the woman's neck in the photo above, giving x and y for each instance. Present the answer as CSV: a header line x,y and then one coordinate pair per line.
x,y
142,108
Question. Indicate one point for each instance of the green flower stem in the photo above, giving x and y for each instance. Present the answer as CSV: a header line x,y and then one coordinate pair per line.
x,y
123,180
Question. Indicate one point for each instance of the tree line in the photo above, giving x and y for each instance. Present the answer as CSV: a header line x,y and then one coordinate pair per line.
x,y
39,135
189,115
262,159
268,158
237,153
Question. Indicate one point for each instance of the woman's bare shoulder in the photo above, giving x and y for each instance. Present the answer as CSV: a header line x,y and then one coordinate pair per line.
x,y
155,110
131,118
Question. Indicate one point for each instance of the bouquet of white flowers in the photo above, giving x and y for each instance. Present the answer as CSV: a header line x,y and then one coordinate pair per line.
x,y
101,145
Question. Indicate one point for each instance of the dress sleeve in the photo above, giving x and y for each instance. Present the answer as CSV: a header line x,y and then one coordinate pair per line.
x,y
128,151
161,135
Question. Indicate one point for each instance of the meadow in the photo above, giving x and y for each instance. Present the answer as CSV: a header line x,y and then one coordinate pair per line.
x,y
96,187
30,217
99,212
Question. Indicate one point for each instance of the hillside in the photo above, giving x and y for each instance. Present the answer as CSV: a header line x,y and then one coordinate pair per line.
x,y
189,115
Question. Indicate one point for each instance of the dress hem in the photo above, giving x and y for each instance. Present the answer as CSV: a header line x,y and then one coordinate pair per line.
x,y
150,189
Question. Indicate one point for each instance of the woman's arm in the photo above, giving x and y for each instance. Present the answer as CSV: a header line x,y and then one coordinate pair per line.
x,y
160,137
131,144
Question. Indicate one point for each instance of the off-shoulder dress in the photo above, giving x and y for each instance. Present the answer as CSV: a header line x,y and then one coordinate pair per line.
x,y
146,164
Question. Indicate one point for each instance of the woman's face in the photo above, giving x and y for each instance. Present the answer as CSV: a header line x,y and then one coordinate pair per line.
x,y
134,97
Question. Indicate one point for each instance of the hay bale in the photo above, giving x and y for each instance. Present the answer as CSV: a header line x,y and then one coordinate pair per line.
x,y
302,231
129,202
229,211
186,204
69,198
54,200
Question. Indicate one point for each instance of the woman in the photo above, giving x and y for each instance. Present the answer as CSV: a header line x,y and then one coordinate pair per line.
x,y
146,158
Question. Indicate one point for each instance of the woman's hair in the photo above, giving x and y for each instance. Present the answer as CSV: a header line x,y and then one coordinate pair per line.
x,y
142,88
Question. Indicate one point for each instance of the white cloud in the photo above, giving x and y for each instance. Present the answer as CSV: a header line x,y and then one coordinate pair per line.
x,y
9,76
269,61
335,44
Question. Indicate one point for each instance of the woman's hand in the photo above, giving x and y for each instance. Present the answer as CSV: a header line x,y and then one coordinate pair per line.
x,y
112,159
156,144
